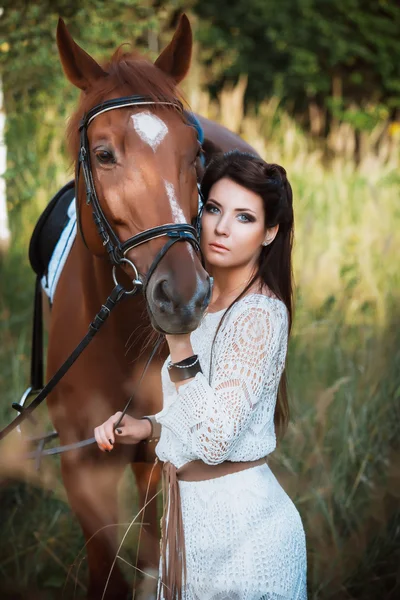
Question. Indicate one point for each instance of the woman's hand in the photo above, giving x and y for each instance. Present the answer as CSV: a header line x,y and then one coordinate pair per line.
x,y
129,431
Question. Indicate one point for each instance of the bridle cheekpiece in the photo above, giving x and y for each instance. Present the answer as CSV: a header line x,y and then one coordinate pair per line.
x,y
116,249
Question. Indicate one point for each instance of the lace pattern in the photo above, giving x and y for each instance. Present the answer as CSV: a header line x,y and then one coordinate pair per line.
x,y
233,418
244,536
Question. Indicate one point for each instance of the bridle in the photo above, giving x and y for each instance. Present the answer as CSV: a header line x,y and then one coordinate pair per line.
x,y
116,249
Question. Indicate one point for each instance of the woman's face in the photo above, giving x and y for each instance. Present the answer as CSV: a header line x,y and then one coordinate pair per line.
x,y
233,226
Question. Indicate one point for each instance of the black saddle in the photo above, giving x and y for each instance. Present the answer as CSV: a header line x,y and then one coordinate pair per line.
x,y
49,228
44,239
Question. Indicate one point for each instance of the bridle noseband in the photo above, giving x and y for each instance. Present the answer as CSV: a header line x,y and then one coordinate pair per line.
x,y
116,249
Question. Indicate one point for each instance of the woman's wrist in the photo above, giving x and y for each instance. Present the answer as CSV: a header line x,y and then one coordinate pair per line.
x,y
153,428
147,428
185,369
179,347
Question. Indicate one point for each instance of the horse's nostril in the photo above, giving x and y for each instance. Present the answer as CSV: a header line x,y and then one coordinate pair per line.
x,y
161,294
168,299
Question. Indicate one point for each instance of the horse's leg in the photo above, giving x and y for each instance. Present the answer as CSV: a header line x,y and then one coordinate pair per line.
x,y
91,483
147,480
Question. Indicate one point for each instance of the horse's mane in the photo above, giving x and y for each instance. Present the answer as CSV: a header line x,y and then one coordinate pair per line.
x,y
127,73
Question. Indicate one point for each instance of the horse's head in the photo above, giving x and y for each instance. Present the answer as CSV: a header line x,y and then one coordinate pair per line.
x,y
142,159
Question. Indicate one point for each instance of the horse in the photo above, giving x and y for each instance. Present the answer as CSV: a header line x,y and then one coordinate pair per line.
x,y
144,163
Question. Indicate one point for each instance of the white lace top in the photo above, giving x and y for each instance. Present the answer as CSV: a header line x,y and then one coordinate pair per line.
x,y
228,414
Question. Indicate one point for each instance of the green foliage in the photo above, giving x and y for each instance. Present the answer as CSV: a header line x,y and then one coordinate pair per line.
x,y
38,97
294,48
28,53
299,50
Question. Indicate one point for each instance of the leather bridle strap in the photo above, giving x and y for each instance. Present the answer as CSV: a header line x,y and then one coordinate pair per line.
x,y
114,298
178,235
115,248
88,442
124,102
182,231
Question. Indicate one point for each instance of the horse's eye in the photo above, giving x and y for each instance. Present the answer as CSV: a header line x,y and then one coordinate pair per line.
x,y
105,157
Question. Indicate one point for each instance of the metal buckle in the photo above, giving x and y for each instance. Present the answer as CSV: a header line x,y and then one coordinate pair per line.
x,y
20,406
136,282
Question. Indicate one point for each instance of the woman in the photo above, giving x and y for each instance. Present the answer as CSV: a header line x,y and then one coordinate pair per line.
x,y
224,395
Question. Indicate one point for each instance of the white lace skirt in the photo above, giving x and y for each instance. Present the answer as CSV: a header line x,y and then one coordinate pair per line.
x,y
244,539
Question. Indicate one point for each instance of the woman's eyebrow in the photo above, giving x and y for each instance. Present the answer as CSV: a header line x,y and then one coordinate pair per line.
x,y
236,209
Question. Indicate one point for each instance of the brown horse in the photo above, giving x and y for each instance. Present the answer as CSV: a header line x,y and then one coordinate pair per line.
x,y
143,160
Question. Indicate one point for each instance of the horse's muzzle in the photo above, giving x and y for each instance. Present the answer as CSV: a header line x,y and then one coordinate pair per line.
x,y
171,311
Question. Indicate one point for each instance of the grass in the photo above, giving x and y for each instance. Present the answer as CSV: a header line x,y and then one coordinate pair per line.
x,y
338,460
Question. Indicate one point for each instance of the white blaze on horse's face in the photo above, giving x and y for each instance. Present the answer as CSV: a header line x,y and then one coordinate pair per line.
x,y
150,128
177,212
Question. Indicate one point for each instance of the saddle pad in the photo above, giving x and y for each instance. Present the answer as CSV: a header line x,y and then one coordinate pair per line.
x,y
60,254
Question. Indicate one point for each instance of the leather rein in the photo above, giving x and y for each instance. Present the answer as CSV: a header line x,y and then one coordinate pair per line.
x,y
117,250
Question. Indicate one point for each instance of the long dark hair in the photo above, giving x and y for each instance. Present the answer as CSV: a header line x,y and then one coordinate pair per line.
x,y
275,262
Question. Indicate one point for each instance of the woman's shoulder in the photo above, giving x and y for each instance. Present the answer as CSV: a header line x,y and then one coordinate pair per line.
x,y
259,309
265,302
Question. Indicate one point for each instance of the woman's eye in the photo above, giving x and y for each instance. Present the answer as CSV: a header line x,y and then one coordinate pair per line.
x,y
245,218
105,157
211,209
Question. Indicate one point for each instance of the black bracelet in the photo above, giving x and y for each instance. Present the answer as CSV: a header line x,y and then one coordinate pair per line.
x,y
186,362
184,369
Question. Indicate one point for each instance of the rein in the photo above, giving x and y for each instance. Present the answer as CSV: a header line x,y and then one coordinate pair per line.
x,y
117,250
116,295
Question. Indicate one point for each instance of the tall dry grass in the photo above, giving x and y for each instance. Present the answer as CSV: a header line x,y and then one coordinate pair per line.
x,y
339,460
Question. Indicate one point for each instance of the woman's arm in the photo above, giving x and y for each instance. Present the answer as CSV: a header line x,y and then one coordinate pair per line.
x,y
129,431
180,348
211,418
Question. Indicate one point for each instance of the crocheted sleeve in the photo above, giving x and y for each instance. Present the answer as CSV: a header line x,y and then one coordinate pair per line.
x,y
210,419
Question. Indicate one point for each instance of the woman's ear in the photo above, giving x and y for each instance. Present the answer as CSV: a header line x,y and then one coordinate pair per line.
x,y
270,235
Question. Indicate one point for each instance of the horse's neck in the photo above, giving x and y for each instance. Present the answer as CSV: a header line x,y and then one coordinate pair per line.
x,y
218,138
95,276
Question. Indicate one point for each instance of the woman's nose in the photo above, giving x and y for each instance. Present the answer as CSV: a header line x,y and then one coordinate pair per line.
x,y
222,227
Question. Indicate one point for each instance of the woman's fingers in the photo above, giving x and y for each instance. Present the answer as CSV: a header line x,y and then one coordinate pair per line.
x,y
101,439
97,438
123,429
109,432
115,419
126,433
106,433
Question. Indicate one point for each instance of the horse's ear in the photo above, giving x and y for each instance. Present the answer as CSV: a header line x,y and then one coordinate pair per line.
x,y
175,59
80,68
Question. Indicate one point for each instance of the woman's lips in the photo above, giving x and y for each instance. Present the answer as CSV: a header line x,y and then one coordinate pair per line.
x,y
219,247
